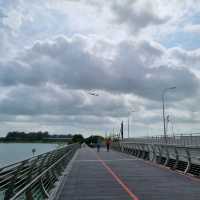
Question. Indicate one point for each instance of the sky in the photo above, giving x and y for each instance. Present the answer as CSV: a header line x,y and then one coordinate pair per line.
x,y
54,53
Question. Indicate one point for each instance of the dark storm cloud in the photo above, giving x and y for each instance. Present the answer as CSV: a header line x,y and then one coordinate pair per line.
x,y
55,100
68,62
49,99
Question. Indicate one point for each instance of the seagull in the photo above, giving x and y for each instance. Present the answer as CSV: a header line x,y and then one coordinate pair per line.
x,y
93,94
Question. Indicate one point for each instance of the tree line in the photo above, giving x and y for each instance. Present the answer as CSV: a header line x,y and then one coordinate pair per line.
x,y
34,136
44,136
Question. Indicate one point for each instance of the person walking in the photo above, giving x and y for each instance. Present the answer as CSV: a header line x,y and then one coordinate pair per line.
x,y
108,143
98,145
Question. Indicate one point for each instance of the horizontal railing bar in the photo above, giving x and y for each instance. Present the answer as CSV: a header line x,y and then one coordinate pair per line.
x,y
183,158
7,179
17,188
41,175
18,178
8,172
28,159
3,186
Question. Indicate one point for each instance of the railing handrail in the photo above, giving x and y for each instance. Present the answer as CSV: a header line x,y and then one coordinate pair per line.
x,y
30,158
168,135
185,159
39,171
160,144
183,140
39,176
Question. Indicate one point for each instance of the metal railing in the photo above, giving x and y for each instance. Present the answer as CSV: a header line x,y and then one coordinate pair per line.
x,y
34,178
181,140
181,158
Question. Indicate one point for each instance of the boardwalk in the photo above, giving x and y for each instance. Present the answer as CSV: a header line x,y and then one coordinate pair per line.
x,y
117,176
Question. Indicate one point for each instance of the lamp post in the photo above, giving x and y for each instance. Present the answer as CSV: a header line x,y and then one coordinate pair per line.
x,y
163,109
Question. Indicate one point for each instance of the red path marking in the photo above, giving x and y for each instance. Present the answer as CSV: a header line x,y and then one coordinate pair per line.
x,y
111,172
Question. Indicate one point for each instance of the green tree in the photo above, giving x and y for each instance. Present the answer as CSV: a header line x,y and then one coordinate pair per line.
x,y
78,138
92,140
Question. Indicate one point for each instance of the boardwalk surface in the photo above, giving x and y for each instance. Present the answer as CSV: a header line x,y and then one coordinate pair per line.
x,y
116,176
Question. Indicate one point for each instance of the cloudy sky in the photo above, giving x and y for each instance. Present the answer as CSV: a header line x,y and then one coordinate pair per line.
x,y
54,52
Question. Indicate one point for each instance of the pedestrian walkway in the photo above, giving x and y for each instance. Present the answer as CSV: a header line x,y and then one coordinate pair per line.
x,y
117,176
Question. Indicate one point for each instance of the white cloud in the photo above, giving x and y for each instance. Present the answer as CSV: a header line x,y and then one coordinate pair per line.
x,y
136,67
187,58
55,52
137,14
54,77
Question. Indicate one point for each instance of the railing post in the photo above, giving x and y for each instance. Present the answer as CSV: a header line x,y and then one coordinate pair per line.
x,y
167,155
189,161
177,158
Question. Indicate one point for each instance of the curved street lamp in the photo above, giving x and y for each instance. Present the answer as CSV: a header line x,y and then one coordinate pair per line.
x,y
163,106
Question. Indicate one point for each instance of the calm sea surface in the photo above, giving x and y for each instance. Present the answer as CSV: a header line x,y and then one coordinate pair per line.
x,y
13,152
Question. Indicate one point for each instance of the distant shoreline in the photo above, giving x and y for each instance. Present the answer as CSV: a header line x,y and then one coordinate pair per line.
x,y
52,141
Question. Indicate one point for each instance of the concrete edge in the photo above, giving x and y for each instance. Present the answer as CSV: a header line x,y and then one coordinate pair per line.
x,y
62,180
